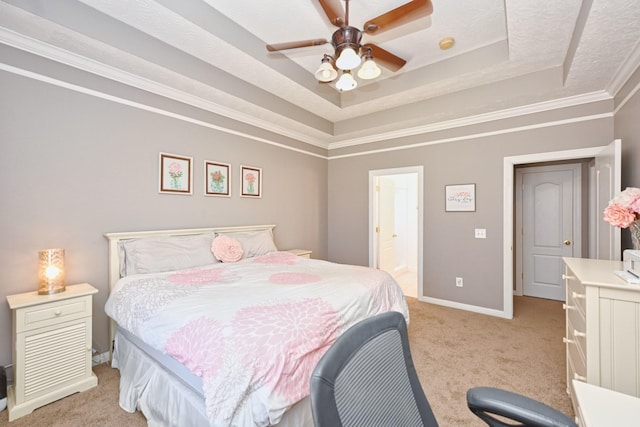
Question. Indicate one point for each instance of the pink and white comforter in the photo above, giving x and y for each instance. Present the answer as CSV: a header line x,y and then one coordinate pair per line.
x,y
253,330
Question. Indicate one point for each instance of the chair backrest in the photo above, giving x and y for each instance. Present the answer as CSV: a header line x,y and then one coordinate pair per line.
x,y
367,378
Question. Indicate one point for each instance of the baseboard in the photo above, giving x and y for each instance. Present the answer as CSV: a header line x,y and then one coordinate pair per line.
x,y
466,307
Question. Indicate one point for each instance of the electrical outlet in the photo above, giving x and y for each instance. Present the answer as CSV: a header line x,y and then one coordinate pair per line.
x,y
459,282
481,233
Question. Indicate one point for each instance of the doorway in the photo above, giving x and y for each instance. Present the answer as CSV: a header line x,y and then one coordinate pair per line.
x,y
548,223
605,182
395,224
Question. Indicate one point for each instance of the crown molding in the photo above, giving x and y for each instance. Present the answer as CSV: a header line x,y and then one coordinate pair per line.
x,y
478,119
476,135
54,53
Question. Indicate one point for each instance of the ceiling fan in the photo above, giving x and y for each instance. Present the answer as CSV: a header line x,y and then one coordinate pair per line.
x,y
346,41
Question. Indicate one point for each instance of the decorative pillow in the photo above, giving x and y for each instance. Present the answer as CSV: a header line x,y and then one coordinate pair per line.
x,y
254,243
227,249
158,254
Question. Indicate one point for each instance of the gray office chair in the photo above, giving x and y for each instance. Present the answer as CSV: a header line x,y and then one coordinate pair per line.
x,y
367,379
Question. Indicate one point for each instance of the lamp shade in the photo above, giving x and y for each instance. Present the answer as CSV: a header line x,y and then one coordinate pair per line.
x,y
369,70
326,72
348,59
346,82
50,271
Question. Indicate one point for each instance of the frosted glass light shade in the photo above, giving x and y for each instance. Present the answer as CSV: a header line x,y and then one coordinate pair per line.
x,y
348,59
346,82
50,271
326,72
369,70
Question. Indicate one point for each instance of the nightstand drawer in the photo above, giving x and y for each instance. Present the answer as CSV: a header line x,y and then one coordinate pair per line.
x,y
33,317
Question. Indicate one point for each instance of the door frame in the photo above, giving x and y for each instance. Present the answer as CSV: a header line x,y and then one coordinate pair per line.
x,y
419,170
508,201
576,202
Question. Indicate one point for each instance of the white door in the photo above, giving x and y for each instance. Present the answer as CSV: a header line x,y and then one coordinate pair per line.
x,y
387,218
551,227
608,184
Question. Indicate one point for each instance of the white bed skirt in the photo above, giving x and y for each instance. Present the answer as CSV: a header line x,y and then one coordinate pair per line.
x,y
165,400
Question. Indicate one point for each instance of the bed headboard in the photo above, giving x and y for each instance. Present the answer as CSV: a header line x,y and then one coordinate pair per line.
x,y
116,238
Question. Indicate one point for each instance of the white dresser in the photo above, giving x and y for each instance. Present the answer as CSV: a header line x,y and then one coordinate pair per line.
x,y
51,347
602,327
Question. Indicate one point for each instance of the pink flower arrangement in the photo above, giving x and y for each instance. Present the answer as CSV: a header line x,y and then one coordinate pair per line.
x,y
624,209
175,170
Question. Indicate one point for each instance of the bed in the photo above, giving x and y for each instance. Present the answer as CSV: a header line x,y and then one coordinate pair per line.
x,y
201,342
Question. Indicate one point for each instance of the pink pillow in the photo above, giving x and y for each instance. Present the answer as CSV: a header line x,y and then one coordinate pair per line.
x,y
226,249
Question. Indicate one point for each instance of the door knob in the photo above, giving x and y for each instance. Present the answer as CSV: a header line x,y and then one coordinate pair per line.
x,y
394,235
567,242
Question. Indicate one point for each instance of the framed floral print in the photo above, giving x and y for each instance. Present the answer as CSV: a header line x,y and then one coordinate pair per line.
x,y
176,174
250,182
217,177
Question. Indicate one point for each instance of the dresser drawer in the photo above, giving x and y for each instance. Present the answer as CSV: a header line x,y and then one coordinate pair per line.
x,y
579,339
576,317
576,361
37,316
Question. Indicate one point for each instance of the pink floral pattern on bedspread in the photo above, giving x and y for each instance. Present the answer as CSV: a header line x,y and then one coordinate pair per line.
x,y
200,276
284,342
253,341
195,344
290,278
276,258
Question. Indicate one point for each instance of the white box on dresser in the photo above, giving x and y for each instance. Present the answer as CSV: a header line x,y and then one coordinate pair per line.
x,y
51,347
602,327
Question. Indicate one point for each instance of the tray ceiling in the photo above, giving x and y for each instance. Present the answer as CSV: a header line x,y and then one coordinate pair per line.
x,y
211,54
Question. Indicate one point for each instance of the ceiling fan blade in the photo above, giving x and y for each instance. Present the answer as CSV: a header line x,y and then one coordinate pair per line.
x,y
384,57
334,12
400,15
293,45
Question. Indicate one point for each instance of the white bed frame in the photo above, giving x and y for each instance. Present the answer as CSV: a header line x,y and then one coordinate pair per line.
x,y
116,238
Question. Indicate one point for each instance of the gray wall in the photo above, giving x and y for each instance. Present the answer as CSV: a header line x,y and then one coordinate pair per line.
x,y
627,128
75,166
450,248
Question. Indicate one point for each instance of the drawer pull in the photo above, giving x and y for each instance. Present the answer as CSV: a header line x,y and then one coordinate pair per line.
x,y
568,307
576,295
579,377
567,340
578,333
567,277
57,312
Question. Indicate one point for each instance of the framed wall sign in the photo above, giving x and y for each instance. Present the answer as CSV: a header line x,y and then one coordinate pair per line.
x,y
250,182
460,198
176,174
217,179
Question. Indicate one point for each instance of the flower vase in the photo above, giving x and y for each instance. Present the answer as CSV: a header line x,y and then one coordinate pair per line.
x,y
634,228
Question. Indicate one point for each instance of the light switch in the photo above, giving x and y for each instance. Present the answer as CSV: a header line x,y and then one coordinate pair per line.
x,y
481,233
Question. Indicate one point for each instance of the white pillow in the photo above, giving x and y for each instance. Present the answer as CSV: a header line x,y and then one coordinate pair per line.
x,y
254,243
158,254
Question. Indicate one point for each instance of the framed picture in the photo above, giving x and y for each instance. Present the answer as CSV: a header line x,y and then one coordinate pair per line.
x,y
176,174
460,198
250,182
217,179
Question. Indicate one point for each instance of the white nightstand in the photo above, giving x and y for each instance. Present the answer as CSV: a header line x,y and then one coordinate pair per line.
x,y
51,347
304,253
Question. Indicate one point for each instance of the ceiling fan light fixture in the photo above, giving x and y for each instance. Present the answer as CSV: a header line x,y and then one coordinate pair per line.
x,y
346,82
369,69
348,59
326,72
